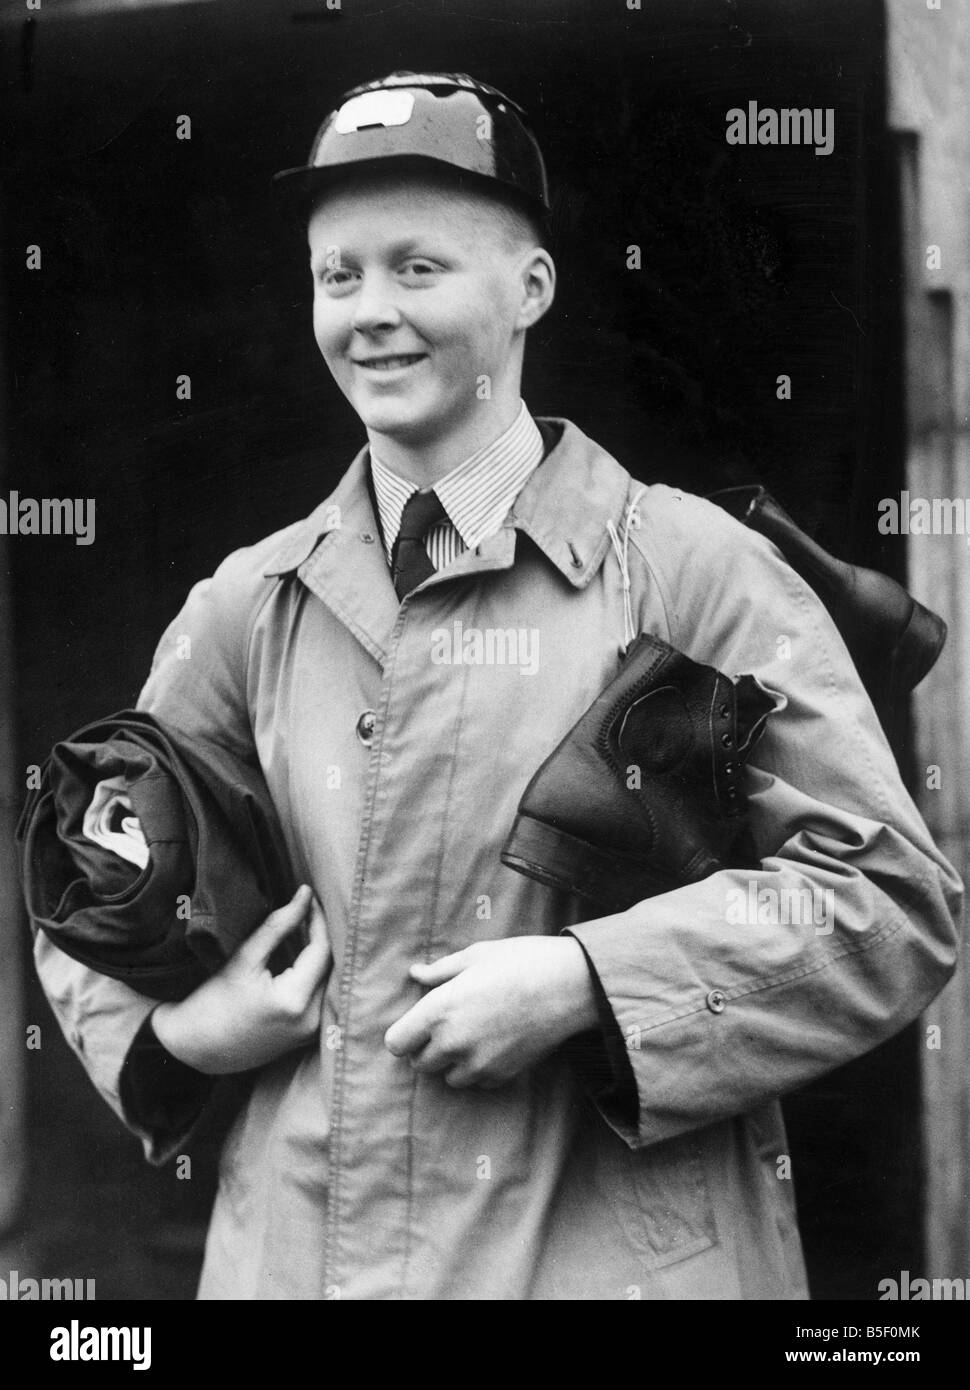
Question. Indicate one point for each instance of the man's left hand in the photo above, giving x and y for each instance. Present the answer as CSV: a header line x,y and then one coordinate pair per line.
x,y
495,1009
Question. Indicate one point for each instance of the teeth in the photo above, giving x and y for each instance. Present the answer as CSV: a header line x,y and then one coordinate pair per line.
x,y
387,364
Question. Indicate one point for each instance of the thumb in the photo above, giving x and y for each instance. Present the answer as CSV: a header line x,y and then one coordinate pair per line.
x,y
436,972
277,926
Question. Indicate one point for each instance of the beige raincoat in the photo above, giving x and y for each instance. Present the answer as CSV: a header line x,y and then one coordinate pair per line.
x,y
348,1175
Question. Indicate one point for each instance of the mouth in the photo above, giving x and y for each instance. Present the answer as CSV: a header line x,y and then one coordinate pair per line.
x,y
388,363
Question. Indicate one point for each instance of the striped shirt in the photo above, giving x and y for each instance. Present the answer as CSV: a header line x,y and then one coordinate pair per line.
x,y
477,494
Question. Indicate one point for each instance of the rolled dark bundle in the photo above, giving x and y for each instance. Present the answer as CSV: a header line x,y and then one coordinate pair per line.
x,y
202,859
645,793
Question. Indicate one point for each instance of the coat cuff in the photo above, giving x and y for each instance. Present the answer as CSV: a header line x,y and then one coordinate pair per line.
x,y
162,1098
600,1059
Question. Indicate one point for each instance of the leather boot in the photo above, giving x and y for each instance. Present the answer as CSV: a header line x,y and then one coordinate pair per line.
x,y
644,793
893,640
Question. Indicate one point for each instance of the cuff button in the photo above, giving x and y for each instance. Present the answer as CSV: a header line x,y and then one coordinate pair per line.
x,y
716,1001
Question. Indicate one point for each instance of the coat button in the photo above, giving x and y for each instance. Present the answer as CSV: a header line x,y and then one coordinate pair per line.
x,y
716,1001
365,727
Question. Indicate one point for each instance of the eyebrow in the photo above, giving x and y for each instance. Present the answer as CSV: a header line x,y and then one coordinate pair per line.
x,y
408,247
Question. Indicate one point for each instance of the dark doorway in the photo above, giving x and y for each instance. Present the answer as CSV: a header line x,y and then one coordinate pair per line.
x,y
165,257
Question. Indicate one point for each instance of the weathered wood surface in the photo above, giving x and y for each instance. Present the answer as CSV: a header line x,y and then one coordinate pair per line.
x,y
929,84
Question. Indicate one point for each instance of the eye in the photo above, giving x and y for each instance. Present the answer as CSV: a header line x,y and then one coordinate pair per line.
x,y
419,270
337,280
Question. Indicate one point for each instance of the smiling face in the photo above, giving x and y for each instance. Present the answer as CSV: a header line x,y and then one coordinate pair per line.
x,y
422,297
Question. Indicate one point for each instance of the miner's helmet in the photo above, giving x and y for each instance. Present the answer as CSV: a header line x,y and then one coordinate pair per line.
x,y
444,121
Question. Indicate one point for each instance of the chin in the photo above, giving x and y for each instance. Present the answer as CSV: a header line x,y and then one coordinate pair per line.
x,y
407,426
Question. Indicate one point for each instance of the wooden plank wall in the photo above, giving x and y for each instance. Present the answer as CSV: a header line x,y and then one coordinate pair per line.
x,y
12,929
929,82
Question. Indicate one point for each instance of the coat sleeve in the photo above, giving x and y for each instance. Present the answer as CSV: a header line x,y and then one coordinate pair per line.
x,y
743,987
108,1028
198,684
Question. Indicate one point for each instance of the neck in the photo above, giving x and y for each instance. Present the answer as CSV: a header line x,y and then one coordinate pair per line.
x,y
426,461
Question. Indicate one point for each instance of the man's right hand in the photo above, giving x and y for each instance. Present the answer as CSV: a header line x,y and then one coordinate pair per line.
x,y
244,1017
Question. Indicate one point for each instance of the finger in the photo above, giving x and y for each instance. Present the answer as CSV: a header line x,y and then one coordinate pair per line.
x,y
313,1010
436,972
464,1077
318,922
277,925
316,953
312,964
412,1031
430,1060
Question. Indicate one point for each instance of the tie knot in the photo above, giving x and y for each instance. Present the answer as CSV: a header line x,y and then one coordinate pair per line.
x,y
421,511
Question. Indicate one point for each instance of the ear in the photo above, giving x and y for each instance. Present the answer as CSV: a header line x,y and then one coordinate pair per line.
x,y
538,281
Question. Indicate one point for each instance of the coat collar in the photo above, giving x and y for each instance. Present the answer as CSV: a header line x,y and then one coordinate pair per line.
x,y
566,505
348,503
564,509
338,555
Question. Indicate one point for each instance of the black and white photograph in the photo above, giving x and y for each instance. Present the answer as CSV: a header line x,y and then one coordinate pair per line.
x,y
484,661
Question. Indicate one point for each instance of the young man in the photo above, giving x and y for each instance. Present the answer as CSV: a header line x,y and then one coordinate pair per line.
x,y
462,1089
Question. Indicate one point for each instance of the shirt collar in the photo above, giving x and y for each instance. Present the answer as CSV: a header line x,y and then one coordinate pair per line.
x,y
564,507
477,494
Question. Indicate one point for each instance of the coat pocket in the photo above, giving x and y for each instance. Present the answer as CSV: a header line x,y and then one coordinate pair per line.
x,y
661,1197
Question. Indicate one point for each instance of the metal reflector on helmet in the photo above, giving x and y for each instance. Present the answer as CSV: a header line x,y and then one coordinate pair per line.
x,y
373,109
437,119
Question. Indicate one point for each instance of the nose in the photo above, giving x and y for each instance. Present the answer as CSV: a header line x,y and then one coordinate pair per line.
x,y
374,306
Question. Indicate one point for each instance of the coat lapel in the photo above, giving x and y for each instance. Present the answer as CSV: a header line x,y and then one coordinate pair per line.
x,y
337,553
564,509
